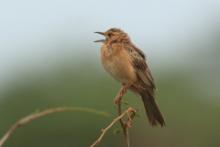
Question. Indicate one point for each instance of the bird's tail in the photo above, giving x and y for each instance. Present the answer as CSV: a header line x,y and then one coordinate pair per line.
x,y
154,115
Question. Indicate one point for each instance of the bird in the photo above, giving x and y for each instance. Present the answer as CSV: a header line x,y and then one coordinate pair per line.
x,y
127,64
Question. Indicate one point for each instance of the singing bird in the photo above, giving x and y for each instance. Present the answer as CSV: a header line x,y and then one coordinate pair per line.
x,y
127,64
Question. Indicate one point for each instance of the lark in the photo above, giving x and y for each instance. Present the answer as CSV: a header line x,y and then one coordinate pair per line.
x,y
127,64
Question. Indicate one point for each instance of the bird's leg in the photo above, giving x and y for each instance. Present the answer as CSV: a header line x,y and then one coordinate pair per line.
x,y
121,92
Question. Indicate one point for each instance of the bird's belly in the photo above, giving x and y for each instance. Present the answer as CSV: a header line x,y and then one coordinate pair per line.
x,y
120,68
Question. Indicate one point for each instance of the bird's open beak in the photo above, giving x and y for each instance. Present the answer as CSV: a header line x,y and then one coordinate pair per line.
x,y
101,40
101,33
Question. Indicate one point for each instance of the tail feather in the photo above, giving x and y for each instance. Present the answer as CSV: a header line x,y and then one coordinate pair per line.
x,y
152,110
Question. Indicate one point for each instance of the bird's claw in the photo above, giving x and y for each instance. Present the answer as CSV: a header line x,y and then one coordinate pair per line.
x,y
117,100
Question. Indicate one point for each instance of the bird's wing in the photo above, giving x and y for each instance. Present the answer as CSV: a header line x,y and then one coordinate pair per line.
x,y
139,63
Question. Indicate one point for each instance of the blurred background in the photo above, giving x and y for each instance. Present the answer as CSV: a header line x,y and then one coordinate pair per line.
x,y
48,59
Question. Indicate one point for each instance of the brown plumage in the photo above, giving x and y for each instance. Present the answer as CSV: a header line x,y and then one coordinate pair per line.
x,y
127,64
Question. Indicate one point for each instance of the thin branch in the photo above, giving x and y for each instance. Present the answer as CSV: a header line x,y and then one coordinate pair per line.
x,y
118,118
28,119
124,127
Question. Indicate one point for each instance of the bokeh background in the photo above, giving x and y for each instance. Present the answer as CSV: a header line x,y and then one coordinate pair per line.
x,y
48,59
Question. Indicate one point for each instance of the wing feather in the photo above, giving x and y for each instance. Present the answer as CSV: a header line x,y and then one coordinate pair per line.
x,y
139,63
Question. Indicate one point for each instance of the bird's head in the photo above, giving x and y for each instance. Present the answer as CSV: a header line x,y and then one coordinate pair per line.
x,y
113,35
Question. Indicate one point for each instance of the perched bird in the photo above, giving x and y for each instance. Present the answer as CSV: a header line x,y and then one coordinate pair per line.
x,y
127,64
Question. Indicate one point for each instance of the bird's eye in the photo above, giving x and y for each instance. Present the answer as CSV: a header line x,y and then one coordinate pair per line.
x,y
109,34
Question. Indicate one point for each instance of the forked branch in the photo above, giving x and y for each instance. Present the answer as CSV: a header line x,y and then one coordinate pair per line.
x,y
128,112
125,124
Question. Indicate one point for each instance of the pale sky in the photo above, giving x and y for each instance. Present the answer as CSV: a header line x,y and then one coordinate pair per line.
x,y
33,31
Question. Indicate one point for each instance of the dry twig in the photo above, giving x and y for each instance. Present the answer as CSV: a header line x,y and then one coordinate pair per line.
x,y
123,124
130,112
26,120
103,131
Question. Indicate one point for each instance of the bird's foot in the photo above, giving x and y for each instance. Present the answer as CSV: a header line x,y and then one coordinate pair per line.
x,y
121,93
